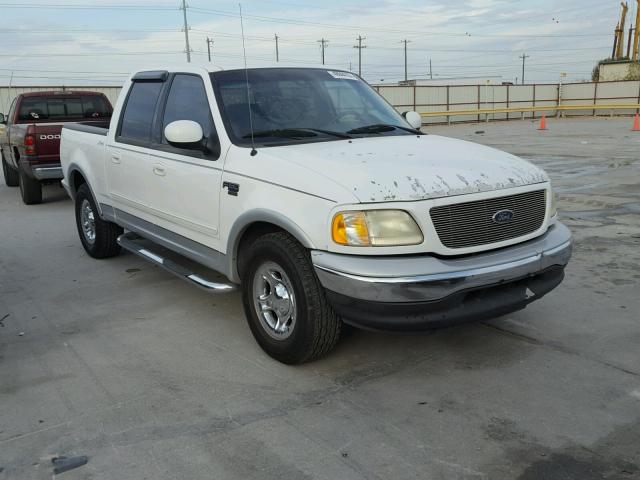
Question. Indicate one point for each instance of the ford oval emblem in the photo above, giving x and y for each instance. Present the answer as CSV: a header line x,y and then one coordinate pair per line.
x,y
502,216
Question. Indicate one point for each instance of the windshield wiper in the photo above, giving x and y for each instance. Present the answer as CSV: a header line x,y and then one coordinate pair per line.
x,y
296,133
383,127
330,132
282,132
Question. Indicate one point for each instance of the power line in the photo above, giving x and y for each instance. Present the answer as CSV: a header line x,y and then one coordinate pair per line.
x,y
101,54
294,21
263,18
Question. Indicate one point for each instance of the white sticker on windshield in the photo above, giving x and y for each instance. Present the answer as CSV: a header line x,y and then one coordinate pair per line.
x,y
342,75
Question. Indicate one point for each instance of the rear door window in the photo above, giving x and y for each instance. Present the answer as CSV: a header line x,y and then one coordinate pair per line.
x,y
137,118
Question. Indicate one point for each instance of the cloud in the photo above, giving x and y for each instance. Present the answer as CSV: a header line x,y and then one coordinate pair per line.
x,y
461,37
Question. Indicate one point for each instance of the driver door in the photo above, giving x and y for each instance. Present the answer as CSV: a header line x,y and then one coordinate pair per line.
x,y
186,183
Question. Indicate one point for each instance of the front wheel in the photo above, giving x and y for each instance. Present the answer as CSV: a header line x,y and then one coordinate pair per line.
x,y
99,237
284,303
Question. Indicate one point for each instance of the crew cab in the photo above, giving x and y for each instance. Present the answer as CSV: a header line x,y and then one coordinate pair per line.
x,y
307,191
30,141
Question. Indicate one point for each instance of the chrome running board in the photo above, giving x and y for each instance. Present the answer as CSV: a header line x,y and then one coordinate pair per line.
x,y
128,242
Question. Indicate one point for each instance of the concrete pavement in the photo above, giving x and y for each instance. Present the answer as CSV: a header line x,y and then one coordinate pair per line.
x,y
153,378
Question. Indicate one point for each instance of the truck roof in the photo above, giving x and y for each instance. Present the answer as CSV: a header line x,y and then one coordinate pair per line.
x,y
59,93
195,67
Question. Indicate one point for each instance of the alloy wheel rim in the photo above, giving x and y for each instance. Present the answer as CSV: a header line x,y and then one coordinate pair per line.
x,y
88,221
274,300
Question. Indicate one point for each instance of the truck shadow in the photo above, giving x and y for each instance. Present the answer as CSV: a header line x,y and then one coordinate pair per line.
x,y
54,192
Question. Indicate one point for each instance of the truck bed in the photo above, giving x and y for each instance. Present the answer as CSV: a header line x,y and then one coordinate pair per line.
x,y
98,128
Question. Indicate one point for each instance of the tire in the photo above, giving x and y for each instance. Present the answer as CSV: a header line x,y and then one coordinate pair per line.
x,y
309,326
10,174
30,189
99,237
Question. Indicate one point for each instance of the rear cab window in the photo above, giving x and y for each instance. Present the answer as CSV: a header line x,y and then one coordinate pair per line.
x,y
137,117
63,108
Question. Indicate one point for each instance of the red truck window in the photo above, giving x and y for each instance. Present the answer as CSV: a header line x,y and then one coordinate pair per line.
x,y
60,109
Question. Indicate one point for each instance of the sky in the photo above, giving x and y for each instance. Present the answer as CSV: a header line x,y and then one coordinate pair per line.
x,y
98,42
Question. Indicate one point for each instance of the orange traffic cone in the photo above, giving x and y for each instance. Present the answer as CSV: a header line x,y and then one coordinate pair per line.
x,y
543,123
636,124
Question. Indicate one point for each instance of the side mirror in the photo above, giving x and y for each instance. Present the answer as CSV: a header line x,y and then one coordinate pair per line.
x,y
2,118
184,133
413,118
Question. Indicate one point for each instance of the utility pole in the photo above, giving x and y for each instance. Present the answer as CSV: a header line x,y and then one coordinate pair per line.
x,y
186,29
323,43
523,57
209,45
360,47
405,41
430,70
277,52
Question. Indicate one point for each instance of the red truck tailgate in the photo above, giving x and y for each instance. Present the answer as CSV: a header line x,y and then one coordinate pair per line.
x,y
47,138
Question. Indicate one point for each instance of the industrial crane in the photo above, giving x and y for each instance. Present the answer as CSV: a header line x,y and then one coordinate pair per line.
x,y
633,45
636,36
618,40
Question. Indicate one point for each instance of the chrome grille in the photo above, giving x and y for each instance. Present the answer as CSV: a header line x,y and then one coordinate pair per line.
x,y
470,224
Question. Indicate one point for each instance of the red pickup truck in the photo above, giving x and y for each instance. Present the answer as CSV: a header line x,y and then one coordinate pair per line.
x,y
30,136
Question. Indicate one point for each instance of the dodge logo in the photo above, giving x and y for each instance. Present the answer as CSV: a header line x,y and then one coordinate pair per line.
x,y
502,216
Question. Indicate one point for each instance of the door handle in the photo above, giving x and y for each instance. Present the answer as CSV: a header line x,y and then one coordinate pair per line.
x,y
115,158
159,170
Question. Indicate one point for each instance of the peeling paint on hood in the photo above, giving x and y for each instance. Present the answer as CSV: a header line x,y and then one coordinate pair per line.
x,y
405,168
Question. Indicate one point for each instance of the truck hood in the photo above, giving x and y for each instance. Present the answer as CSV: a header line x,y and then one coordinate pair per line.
x,y
405,168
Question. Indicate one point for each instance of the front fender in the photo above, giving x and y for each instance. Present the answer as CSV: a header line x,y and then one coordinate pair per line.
x,y
261,215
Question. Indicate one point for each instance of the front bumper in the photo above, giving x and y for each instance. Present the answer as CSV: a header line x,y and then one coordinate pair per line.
x,y
419,292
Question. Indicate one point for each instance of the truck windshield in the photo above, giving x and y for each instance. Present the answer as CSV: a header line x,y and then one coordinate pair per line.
x,y
60,109
294,105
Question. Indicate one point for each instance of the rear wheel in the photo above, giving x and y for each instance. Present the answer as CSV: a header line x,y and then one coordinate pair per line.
x,y
30,189
10,174
284,302
99,237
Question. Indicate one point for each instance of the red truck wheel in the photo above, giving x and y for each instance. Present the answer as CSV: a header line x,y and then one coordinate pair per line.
x,y
30,189
10,174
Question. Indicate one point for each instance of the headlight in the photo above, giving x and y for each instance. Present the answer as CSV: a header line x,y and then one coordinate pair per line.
x,y
553,208
377,228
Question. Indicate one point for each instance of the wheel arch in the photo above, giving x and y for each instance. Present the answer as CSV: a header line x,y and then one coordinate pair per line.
x,y
77,177
251,225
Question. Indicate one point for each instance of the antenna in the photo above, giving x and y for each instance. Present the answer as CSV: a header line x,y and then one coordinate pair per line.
x,y
246,76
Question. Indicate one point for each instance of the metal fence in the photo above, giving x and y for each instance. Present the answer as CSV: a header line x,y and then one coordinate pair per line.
x,y
460,103
439,103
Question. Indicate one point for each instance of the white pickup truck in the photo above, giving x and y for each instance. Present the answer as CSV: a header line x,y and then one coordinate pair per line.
x,y
308,190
